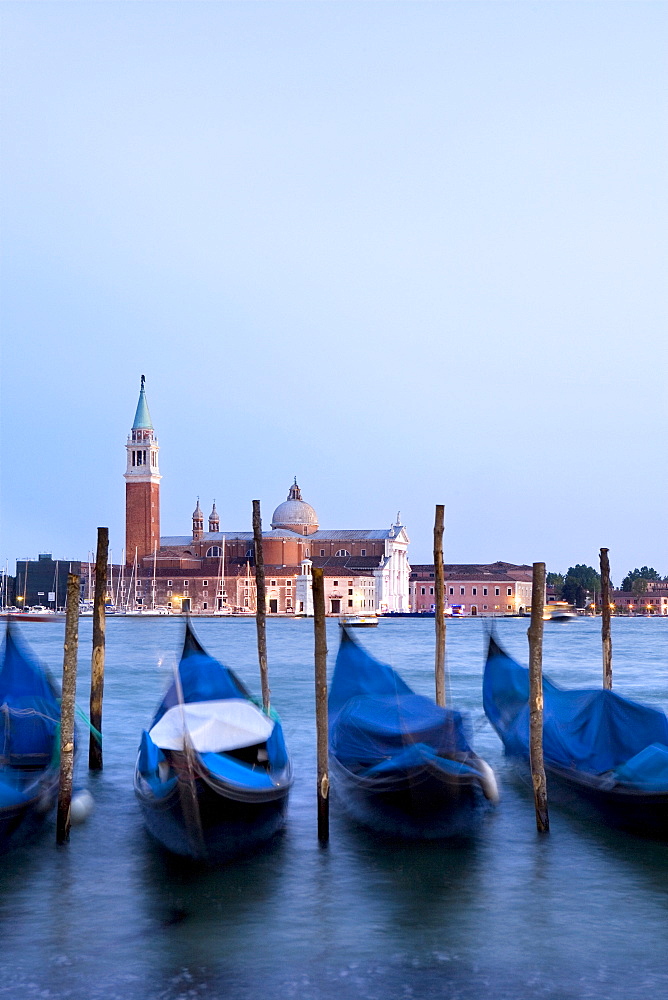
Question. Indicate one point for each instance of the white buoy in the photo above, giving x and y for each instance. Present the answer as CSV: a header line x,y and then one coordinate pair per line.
x,y
81,807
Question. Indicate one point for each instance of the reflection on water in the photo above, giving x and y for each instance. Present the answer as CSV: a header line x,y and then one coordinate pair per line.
x,y
580,913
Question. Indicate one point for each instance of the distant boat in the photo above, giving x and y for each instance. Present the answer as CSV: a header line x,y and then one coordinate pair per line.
x,y
34,614
29,761
401,764
559,611
358,621
213,774
608,751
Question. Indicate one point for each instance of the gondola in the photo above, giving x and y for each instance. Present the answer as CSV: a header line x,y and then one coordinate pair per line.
x,y
29,763
600,749
400,764
212,775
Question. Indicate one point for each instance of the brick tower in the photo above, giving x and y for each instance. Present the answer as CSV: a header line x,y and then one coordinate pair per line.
x,y
142,485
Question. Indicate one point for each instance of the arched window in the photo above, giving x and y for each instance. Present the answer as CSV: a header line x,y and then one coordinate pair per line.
x,y
342,552
214,552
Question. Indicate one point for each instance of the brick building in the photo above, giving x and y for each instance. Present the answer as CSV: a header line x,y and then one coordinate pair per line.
x,y
498,588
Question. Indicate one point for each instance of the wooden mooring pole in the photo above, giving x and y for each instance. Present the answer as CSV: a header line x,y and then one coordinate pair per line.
x,y
97,662
606,636
67,709
439,607
261,605
536,699
321,715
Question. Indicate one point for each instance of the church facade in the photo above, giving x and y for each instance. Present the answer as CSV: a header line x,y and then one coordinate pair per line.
x,y
213,570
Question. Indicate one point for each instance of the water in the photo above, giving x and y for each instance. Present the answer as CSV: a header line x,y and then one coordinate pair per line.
x,y
581,913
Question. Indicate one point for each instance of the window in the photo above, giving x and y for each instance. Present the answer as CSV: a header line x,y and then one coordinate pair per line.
x,y
423,590
484,607
169,583
301,605
342,552
169,593
452,591
509,607
363,552
350,593
139,583
431,590
462,591
336,583
245,602
322,552
484,591
205,605
288,583
185,583
272,583
497,591
205,583
350,604
350,583
214,552
510,591
474,591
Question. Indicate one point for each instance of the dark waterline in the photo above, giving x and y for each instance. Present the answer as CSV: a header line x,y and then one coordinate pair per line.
x,y
581,913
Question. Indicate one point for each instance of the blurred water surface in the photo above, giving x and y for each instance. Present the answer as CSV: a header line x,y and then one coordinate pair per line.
x,y
581,913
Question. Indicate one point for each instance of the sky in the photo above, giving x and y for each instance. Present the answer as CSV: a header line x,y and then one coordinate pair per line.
x,y
411,253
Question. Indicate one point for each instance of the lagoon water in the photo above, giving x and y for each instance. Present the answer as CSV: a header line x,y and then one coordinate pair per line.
x,y
582,913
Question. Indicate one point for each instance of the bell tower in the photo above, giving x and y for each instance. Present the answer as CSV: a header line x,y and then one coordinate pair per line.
x,y
142,485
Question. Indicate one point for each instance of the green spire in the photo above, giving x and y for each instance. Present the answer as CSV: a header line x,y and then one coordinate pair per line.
x,y
142,416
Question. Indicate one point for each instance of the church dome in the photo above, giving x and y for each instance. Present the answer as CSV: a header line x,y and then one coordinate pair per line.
x,y
295,514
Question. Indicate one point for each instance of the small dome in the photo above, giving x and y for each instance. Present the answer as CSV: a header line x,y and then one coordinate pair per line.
x,y
295,514
197,513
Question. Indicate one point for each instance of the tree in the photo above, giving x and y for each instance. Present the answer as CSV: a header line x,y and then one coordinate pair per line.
x,y
579,580
555,580
644,573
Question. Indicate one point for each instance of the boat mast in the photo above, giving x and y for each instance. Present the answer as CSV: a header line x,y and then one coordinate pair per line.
x,y
155,560
132,575
111,577
222,574
120,588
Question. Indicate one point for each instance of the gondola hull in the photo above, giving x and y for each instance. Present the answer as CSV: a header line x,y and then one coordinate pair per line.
x,y
21,821
400,764
226,827
213,774
618,746
641,812
420,804
29,731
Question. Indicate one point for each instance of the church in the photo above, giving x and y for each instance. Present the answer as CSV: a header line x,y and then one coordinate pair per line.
x,y
212,571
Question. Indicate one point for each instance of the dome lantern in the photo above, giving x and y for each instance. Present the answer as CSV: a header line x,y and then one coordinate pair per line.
x,y
294,514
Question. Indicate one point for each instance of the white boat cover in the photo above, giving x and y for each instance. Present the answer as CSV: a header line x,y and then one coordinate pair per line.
x,y
212,726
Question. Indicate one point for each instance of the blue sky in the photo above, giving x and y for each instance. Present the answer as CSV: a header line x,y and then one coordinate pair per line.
x,y
411,253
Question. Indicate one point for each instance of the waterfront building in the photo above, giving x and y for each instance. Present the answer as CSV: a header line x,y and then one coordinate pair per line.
x,y
499,588
653,602
208,571
43,581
